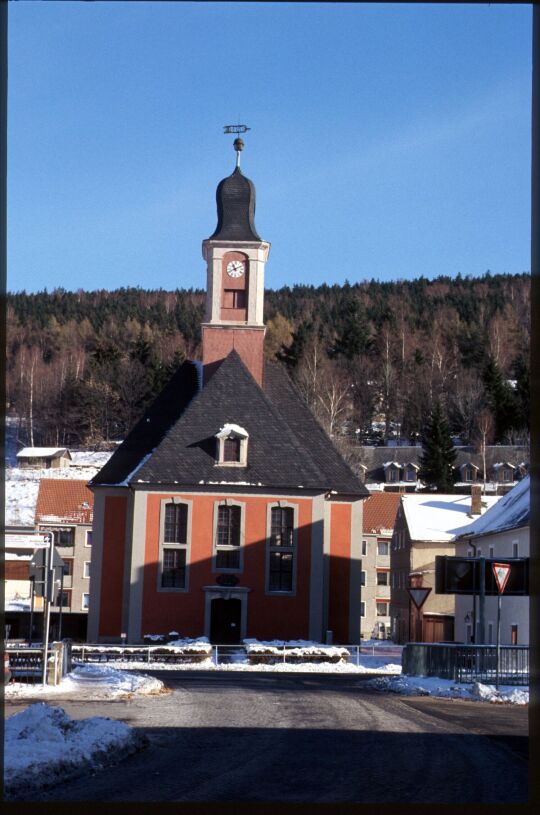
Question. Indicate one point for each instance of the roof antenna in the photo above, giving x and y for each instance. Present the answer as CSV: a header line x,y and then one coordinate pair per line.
x,y
238,144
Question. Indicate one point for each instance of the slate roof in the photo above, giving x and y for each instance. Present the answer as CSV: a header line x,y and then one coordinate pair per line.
x,y
287,448
235,198
374,458
64,500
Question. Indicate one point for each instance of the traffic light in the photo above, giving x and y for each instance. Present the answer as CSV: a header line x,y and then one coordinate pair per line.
x,y
461,575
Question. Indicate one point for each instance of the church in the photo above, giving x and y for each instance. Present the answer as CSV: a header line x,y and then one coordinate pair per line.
x,y
227,511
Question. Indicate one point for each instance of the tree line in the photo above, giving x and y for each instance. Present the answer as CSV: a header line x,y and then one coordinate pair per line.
x,y
83,366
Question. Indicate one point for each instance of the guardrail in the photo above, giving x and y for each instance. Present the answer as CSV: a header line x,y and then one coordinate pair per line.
x,y
26,662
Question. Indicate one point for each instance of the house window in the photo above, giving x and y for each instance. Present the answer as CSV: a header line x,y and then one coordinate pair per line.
x,y
382,578
63,599
362,578
281,549
362,609
409,475
492,551
364,547
85,600
506,474
392,474
86,568
68,566
231,449
382,609
64,537
88,541
228,537
515,549
382,548
174,543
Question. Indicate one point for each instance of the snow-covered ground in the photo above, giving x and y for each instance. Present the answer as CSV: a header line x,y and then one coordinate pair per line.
x,y
43,746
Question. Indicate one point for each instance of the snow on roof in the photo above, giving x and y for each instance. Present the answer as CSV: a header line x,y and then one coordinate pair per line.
x,y
41,452
438,517
511,512
229,428
391,464
500,464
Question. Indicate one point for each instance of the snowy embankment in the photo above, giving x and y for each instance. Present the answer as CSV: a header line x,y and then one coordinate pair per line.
x,y
90,682
43,746
447,688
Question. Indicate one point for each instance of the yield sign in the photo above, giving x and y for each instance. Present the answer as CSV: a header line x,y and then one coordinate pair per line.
x,y
502,573
418,596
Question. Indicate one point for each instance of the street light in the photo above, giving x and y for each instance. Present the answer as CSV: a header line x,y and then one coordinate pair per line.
x,y
47,596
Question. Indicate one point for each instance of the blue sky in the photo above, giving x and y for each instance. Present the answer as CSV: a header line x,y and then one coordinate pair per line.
x,y
386,142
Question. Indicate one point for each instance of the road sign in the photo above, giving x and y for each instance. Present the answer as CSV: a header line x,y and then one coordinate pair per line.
x,y
419,596
502,573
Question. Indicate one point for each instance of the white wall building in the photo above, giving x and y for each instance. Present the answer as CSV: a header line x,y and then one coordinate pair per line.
x,y
502,532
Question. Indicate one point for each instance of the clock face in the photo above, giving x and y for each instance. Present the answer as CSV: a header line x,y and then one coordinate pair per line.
x,y
235,268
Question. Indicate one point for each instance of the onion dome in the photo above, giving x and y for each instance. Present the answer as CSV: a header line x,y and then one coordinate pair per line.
x,y
235,197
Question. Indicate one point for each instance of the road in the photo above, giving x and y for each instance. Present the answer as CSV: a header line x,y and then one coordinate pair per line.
x,y
305,738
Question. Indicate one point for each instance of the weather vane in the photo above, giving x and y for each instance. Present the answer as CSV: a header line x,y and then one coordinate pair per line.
x,y
238,144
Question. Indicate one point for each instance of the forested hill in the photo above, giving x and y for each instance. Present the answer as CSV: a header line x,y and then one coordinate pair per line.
x,y
82,366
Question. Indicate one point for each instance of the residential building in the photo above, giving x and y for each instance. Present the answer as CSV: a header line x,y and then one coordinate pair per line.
x,y
20,546
380,511
227,511
502,532
426,526
65,508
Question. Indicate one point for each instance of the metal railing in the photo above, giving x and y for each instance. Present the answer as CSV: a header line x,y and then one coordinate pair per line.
x,y
468,663
221,654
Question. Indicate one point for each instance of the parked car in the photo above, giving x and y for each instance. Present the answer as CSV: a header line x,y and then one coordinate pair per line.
x,y
7,669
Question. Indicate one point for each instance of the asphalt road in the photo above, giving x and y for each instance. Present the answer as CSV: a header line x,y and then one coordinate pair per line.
x,y
305,738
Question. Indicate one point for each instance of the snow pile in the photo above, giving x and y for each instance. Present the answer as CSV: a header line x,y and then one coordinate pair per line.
x,y
446,688
21,499
43,745
91,681
191,645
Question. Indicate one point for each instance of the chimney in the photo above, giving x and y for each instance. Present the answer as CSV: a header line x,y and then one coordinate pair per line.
x,y
476,499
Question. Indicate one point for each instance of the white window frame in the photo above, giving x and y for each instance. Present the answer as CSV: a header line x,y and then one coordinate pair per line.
x,y
221,450
385,572
380,603
269,548
383,543
163,546
87,606
87,535
86,568
228,502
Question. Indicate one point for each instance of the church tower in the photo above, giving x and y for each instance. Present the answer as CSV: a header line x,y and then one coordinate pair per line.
x,y
235,256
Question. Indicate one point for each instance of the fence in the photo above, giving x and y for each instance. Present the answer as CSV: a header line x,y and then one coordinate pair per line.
x,y
26,662
467,663
227,654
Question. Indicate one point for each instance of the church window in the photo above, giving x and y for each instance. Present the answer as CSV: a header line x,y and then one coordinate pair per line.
x,y
228,537
174,545
282,545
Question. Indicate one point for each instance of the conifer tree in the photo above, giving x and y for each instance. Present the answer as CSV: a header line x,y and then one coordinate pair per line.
x,y
438,453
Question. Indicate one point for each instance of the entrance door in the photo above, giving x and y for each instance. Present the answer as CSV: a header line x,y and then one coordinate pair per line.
x,y
225,621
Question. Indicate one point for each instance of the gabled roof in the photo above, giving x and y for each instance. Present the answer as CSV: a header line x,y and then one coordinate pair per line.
x,y
437,517
511,512
380,511
288,449
43,452
64,500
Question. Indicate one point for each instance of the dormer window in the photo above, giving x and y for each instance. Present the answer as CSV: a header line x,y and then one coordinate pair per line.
x,y
231,448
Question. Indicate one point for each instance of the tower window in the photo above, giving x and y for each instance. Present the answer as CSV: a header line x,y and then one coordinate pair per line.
x,y
234,298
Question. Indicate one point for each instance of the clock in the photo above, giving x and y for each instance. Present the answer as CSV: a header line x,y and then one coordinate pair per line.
x,y
235,268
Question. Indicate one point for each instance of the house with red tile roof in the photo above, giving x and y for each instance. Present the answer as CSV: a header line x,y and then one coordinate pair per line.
x,y
65,507
380,511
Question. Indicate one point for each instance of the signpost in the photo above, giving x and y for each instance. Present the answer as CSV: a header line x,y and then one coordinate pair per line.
x,y
501,572
419,597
